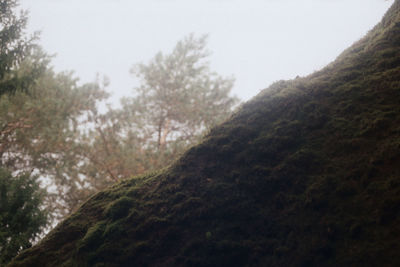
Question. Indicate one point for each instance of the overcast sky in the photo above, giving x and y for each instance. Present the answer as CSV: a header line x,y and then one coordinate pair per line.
x,y
258,42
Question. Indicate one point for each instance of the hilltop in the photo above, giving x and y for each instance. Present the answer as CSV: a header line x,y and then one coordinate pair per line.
x,y
307,173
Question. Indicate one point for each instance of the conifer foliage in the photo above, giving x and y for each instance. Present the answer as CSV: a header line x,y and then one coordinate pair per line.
x,y
51,126
21,216
178,99
52,134
15,45
305,174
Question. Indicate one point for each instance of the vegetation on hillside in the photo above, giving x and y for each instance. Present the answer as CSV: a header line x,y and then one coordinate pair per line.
x,y
22,216
178,99
305,174
57,148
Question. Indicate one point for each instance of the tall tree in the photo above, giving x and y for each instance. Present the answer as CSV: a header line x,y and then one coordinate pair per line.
x,y
15,45
22,213
40,132
179,98
41,114
22,216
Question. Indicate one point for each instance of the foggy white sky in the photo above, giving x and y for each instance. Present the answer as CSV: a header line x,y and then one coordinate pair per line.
x,y
258,42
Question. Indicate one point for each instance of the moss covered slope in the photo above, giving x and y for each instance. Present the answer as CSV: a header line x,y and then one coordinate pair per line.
x,y
305,174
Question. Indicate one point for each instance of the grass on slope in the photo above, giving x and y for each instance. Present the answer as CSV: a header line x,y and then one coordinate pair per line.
x,y
305,174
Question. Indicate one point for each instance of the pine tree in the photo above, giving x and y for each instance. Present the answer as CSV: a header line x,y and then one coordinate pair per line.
x,y
179,98
15,45
22,216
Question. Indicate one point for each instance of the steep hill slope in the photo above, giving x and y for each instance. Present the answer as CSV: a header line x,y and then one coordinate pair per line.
x,y
305,174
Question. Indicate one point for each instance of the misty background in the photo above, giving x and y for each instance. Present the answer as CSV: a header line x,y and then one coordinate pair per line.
x,y
257,42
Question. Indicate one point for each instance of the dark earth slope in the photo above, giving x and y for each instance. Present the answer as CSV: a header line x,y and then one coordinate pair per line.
x,y
305,174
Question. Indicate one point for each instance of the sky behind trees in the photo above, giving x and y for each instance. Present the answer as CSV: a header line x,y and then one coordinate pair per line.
x,y
256,41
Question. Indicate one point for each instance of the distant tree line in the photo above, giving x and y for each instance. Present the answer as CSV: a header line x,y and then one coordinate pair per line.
x,y
57,148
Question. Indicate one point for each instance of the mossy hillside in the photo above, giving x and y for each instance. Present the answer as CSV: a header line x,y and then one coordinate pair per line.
x,y
305,174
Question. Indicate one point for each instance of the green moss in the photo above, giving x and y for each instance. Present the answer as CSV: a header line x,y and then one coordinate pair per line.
x,y
208,235
305,174
114,230
119,208
93,237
